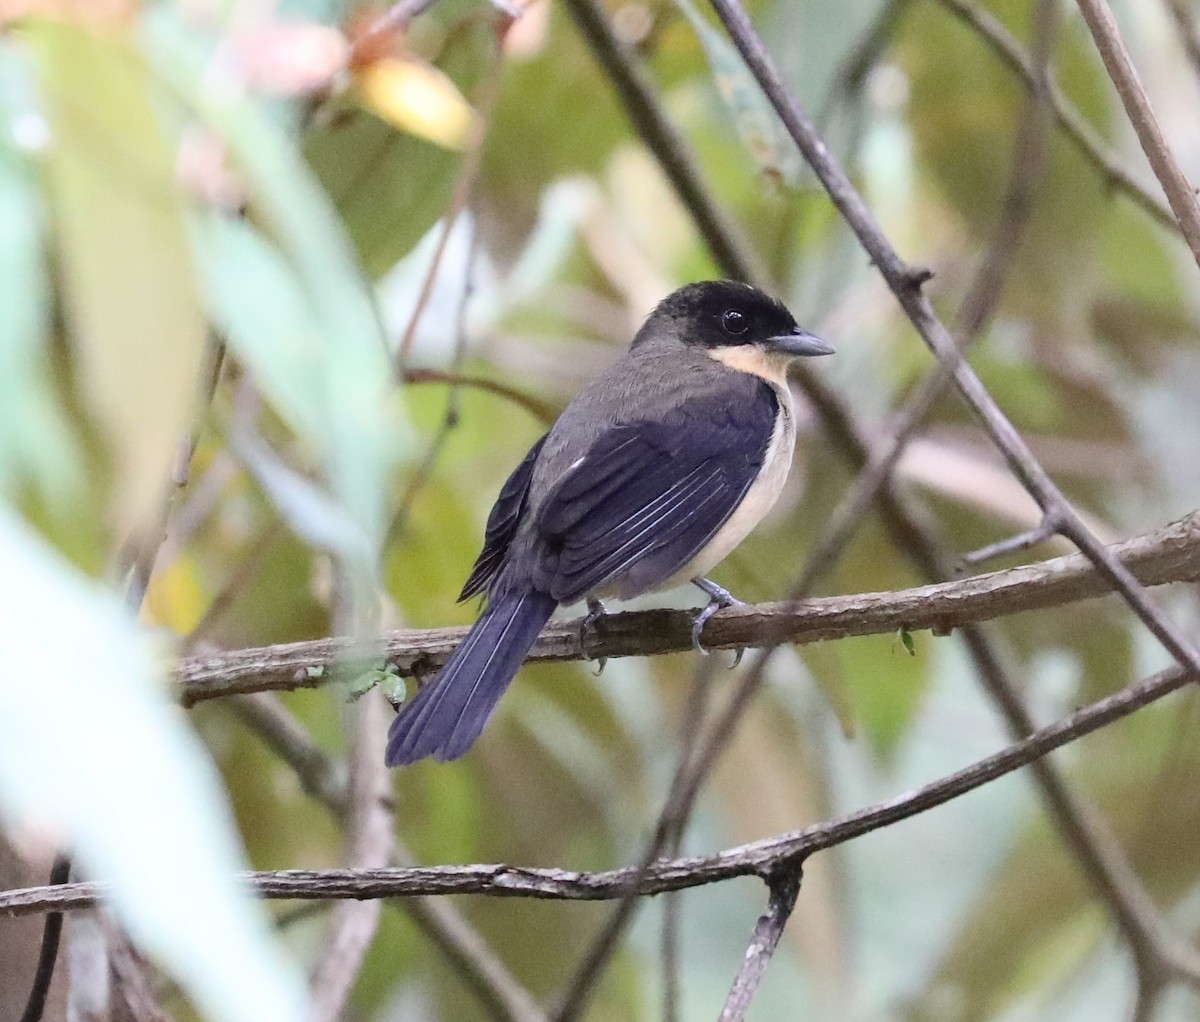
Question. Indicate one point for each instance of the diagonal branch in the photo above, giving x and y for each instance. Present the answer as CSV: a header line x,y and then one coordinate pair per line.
x,y
759,858
1171,554
905,284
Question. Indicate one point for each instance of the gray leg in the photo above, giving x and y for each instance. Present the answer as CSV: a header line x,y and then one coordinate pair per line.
x,y
595,612
718,599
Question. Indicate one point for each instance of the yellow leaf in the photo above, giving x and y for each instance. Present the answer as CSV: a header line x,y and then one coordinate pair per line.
x,y
416,98
176,598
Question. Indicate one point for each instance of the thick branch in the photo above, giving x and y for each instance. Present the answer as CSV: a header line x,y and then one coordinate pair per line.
x,y
1171,554
763,859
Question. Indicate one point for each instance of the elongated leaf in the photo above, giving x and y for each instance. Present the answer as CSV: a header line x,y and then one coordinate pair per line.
x,y
133,311
35,444
89,743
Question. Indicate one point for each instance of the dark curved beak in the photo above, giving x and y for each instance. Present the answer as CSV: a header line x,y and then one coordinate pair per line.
x,y
799,343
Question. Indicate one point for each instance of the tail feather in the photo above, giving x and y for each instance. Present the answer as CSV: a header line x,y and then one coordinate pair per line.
x,y
448,714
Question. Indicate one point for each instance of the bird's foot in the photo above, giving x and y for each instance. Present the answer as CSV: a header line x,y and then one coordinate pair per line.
x,y
718,599
595,612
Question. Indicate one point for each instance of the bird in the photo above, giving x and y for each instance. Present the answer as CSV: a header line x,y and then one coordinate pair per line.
x,y
651,475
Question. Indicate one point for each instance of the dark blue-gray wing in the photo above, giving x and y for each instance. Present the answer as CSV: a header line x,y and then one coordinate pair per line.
x,y
648,496
502,525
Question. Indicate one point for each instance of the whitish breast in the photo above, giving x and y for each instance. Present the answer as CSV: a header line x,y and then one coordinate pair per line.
x,y
759,499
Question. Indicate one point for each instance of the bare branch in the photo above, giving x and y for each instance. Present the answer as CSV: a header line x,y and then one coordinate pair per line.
x,y
1171,554
464,184
1180,193
368,844
759,858
130,983
764,940
1029,162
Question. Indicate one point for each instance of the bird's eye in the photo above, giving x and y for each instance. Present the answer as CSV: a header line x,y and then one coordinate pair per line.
x,y
735,321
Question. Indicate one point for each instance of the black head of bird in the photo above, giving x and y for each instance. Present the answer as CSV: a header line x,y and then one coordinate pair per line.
x,y
653,473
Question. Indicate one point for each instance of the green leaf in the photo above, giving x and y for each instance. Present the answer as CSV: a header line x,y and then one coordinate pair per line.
x,y
755,119
36,445
131,302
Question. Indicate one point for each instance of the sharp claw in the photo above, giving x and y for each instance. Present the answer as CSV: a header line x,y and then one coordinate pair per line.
x,y
600,666
595,613
698,623
737,658
718,599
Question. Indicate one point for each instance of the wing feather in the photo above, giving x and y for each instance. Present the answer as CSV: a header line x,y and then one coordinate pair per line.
x,y
647,497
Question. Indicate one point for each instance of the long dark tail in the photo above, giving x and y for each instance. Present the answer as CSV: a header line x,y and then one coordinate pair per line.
x,y
448,713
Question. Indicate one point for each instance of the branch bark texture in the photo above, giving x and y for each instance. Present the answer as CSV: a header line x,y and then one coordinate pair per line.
x,y
764,859
1171,554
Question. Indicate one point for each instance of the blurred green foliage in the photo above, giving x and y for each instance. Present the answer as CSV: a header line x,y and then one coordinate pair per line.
x,y
172,195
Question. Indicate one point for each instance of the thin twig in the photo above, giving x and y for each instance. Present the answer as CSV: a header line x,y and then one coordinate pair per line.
x,y
539,409
35,1005
368,844
394,20
130,983
632,82
1180,193
669,828
1171,554
759,858
784,888
1073,124
460,194
450,417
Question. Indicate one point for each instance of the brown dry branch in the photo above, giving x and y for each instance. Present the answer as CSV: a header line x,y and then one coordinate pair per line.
x,y
784,888
1028,170
368,843
1170,554
762,859
1180,193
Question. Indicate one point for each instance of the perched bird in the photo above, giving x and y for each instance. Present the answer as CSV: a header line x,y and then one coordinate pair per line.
x,y
654,472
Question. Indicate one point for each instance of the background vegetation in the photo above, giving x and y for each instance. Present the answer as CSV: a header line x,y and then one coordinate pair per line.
x,y
360,265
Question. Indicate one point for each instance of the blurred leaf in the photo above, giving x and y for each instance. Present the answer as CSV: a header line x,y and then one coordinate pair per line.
x,y
755,120
416,98
320,352
89,742
389,187
885,686
131,302
35,443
